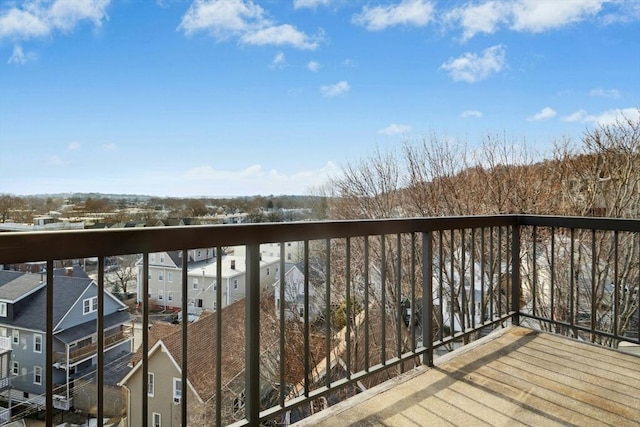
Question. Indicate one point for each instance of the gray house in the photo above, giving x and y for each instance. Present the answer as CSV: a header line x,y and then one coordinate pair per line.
x,y
22,329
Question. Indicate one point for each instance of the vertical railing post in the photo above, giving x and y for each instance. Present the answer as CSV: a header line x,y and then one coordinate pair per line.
x,y
100,346
427,297
515,274
252,336
185,349
145,338
49,347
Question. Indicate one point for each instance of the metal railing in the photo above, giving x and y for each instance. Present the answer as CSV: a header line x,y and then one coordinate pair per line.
x,y
392,294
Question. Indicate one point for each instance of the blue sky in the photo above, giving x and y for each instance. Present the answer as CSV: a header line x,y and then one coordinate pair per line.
x,y
239,97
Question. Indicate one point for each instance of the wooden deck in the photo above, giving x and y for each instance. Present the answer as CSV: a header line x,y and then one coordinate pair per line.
x,y
513,377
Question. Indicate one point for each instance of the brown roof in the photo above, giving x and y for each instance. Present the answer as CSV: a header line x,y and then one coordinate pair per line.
x,y
158,331
201,346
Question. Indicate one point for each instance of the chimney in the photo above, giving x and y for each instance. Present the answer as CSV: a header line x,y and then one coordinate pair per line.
x,y
68,271
233,264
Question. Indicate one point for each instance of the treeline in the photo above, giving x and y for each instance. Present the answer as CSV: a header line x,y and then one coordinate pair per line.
x,y
23,209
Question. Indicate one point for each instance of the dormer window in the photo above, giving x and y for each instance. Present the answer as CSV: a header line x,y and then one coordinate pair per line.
x,y
89,305
3,309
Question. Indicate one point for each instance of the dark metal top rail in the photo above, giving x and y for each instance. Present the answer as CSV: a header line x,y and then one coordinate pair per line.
x,y
38,246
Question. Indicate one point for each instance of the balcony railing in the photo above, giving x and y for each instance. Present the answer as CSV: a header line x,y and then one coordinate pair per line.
x,y
89,350
392,294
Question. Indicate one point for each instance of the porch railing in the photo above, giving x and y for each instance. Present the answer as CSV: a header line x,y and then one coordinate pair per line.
x,y
91,349
392,293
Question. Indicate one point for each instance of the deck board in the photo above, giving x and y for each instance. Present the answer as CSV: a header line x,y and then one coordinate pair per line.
x,y
514,377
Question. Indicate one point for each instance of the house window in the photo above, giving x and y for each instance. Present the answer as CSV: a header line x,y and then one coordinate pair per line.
x,y
235,283
170,296
157,420
3,309
16,336
170,276
37,343
195,283
3,332
37,375
150,383
15,368
160,295
162,258
89,305
153,257
215,285
177,390
267,271
289,256
199,303
198,254
160,278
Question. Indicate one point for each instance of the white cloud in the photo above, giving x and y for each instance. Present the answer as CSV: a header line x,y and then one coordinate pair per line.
x,y
480,18
279,35
254,180
606,93
526,15
471,113
312,4
604,118
415,13
541,15
545,113
109,147
42,18
395,129
336,89
17,57
56,161
279,61
224,19
471,67
577,116
313,66
611,116
349,63
73,146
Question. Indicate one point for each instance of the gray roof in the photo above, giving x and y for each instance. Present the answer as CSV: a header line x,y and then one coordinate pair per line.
x,y
66,291
87,328
16,284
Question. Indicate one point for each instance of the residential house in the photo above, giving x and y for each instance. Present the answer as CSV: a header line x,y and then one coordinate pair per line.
x,y
165,388
75,305
5,376
165,279
293,251
294,294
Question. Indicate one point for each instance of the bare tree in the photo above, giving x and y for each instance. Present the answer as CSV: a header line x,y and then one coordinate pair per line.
x,y
125,273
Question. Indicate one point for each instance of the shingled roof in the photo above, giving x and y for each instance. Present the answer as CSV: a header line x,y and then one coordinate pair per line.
x,y
201,345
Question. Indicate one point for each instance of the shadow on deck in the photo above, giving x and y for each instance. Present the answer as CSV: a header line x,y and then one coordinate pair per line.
x,y
515,376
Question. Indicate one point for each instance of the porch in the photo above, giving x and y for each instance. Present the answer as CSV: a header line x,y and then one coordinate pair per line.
x,y
514,376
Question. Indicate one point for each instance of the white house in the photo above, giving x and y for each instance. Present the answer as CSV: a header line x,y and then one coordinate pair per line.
x,y
165,279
